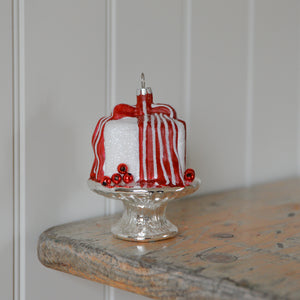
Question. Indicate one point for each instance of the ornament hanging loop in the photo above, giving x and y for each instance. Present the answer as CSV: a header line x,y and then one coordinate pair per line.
x,y
143,90
143,83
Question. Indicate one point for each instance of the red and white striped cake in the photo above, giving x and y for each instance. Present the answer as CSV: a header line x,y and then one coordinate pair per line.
x,y
141,145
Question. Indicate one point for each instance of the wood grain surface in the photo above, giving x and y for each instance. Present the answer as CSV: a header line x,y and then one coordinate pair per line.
x,y
241,244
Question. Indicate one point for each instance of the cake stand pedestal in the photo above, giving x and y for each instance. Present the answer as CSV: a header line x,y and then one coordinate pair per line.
x,y
144,216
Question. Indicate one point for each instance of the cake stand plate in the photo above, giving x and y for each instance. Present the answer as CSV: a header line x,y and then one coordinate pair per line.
x,y
144,216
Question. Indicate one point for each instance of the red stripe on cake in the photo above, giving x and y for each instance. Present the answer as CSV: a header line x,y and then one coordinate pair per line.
x,y
176,160
98,146
149,151
141,129
163,163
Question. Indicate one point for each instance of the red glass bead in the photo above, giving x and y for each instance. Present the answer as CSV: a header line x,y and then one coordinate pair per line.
x,y
122,168
116,178
189,175
106,181
127,178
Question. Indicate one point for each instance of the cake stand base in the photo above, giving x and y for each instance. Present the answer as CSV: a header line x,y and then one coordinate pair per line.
x,y
144,224
144,216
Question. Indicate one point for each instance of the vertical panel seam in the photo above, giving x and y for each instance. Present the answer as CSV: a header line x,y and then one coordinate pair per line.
x,y
298,94
186,59
109,94
110,56
19,148
113,54
110,75
16,255
249,93
107,57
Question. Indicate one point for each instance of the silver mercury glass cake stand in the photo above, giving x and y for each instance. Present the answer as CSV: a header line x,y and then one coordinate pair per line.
x,y
144,216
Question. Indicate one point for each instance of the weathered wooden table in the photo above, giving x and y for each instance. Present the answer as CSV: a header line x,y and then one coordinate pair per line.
x,y
241,244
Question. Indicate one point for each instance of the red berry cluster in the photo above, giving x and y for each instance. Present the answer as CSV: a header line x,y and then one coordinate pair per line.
x,y
117,177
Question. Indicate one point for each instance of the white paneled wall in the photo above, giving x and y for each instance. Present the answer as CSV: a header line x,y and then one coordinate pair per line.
x,y
230,68
275,80
218,100
6,152
64,96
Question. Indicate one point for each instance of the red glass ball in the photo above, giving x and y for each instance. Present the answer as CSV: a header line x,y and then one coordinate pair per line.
x,y
122,168
189,175
127,178
106,181
116,178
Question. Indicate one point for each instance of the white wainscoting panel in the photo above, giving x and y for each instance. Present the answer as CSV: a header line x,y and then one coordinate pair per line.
x,y
6,151
148,39
65,97
216,134
275,105
123,295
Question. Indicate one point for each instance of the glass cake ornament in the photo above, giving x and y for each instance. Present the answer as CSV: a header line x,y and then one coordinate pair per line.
x,y
140,160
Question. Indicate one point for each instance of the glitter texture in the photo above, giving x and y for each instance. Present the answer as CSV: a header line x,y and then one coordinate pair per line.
x,y
121,142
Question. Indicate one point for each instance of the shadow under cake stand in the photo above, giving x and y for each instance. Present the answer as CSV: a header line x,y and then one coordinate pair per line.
x,y
144,216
